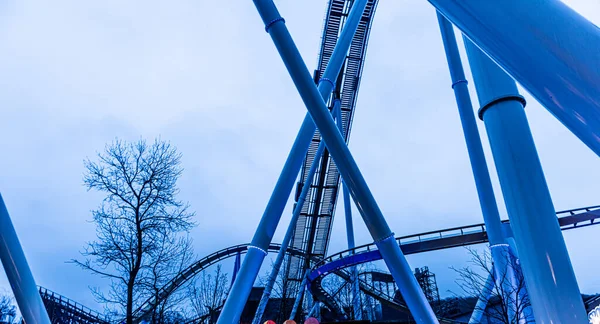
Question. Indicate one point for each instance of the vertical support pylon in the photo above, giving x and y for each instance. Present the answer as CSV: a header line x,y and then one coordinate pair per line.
x,y
356,305
290,231
367,206
315,310
298,299
503,270
18,272
257,251
482,300
547,47
236,267
549,275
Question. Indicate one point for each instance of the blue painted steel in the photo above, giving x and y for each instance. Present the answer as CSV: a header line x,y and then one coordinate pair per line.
x,y
367,206
368,254
404,278
484,297
483,183
547,47
348,214
264,233
290,230
356,307
350,260
266,228
504,272
236,267
298,299
17,270
315,310
548,272
513,246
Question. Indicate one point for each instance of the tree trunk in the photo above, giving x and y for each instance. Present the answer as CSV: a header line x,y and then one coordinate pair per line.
x,y
129,310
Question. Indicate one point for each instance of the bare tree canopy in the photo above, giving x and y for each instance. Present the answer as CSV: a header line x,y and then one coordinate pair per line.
x,y
139,219
8,310
509,306
173,255
208,293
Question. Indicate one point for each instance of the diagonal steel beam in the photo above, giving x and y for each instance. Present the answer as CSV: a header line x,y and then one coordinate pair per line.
x,y
264,233
550,49
346,164
18,272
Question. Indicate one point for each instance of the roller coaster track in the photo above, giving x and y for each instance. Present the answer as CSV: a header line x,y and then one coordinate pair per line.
x,y
313,229
64,310
379,295
423,242
588,303
418,243
147,307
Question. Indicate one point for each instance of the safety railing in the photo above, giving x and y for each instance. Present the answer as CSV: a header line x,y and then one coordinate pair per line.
x,y
69,308
565,219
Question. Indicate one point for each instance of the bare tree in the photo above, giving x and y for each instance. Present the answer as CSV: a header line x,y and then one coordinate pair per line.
x,y
284,289
341,291
8,311
140,209
506,305
208,293
173,255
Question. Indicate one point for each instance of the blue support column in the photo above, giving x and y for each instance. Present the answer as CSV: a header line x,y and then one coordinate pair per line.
x,y
18,272
350,237
367,206
498,247
298,299
348,214
356,305
236,267
547,47
315,310
484,297
242,286
547,269
290,230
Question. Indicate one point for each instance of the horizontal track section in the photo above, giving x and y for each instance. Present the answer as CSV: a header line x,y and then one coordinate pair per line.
x,y
424,242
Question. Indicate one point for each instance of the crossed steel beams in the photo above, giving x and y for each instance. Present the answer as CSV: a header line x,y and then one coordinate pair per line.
x,y
411,244
425,242
574,87
187,274
313,229
379,295
353,178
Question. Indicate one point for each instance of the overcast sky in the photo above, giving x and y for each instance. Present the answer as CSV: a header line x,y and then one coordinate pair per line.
x,y
204,75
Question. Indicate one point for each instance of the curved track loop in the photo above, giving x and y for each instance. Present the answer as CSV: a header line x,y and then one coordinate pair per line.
x,y
424,242
187,274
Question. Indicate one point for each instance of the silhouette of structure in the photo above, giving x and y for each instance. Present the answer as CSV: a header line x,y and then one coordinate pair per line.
x,y
62,310
555,62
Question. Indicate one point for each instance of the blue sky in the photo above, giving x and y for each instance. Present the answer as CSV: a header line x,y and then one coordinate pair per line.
x,y
205,76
